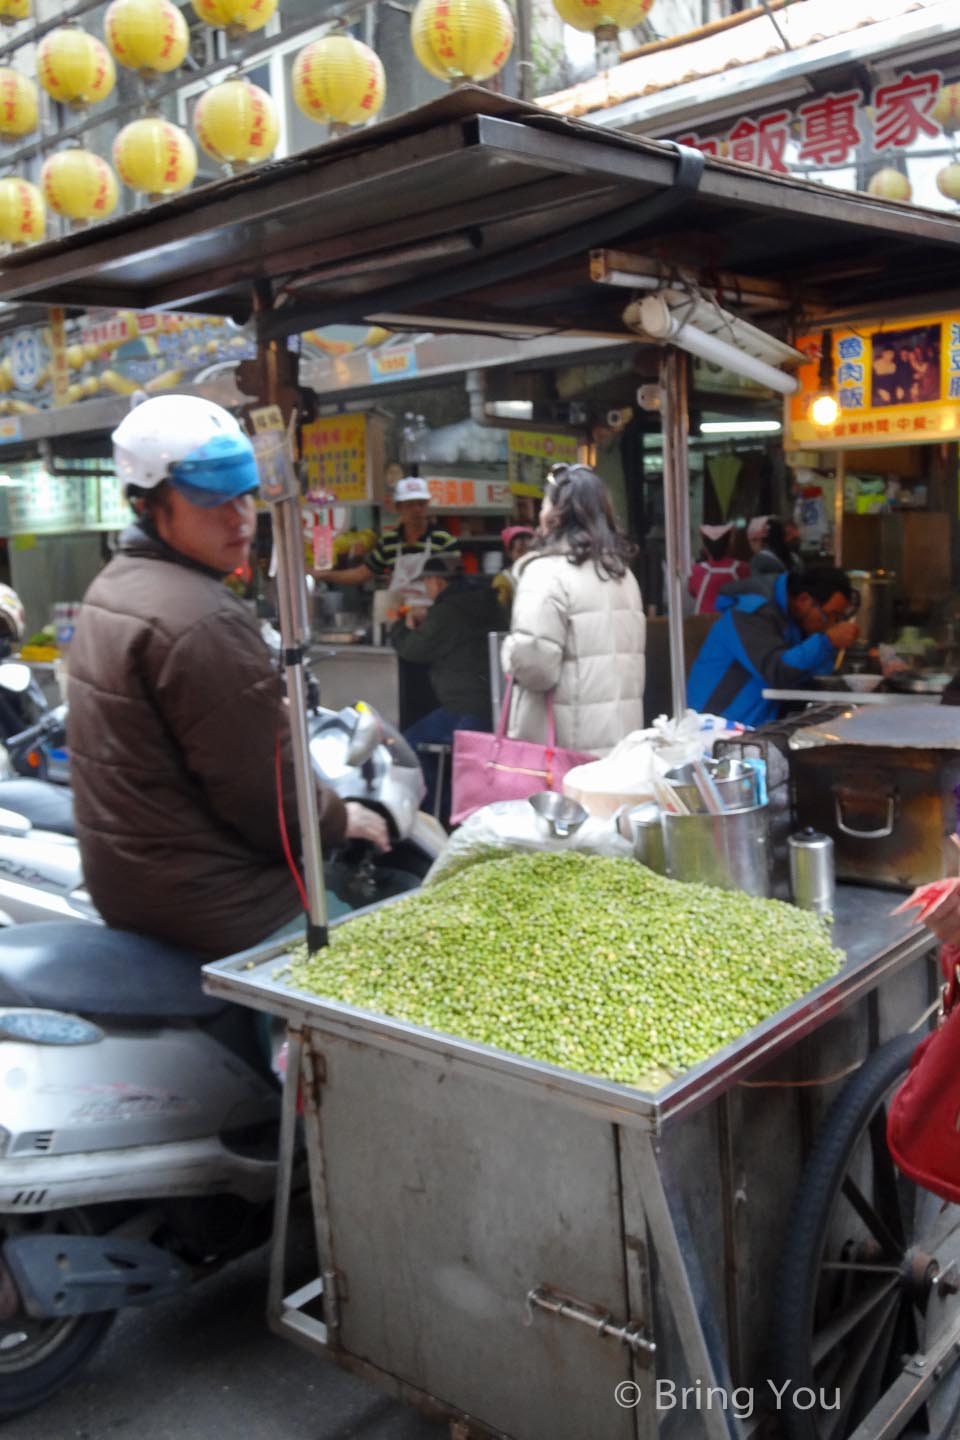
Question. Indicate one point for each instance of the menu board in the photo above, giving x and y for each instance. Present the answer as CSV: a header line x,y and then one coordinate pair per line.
x,y
895,382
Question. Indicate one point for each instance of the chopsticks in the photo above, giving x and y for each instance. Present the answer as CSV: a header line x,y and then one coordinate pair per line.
x,y
707,788
669,800
841,656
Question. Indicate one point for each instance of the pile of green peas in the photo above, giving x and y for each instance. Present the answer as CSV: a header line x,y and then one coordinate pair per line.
x,y
594,964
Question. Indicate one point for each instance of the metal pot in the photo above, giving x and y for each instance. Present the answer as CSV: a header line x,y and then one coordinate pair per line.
x,y
731,851
875,614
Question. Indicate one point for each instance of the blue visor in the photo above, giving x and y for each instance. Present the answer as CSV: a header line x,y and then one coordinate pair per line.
x,y
220,470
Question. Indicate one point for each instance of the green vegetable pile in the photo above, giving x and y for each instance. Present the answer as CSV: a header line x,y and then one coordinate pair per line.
x,y
598,965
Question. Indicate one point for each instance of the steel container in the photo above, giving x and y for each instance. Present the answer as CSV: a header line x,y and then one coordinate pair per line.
x,y
812,882
644,828
736,782
875,611
731,851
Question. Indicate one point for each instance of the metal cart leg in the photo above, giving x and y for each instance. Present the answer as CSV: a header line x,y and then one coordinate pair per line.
x,y
692,1308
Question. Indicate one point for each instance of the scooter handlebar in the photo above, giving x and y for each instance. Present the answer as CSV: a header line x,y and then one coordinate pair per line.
x,y
53,720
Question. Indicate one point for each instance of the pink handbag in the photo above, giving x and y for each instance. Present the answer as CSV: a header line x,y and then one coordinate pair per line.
x,y
488,767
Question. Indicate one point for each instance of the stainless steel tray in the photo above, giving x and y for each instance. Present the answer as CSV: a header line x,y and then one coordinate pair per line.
x,y
876,945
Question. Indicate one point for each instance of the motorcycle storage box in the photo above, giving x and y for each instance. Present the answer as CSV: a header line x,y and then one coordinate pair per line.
x,y
881,781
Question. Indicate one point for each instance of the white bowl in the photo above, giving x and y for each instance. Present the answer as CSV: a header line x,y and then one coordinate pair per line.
x,y
862,684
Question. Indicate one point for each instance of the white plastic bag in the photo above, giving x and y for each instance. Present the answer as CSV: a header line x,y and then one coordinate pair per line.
x,y
513,825
628,774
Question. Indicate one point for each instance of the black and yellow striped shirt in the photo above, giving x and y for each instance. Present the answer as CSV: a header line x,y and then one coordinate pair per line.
x,y
391,545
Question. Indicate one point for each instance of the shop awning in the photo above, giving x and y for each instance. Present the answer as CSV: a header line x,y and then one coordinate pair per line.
x,y
480,210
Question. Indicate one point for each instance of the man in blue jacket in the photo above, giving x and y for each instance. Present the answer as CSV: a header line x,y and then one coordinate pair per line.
x,y
774,643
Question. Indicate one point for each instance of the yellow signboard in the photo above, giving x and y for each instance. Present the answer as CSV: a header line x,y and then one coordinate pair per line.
x,y
335,456
530,453
896,383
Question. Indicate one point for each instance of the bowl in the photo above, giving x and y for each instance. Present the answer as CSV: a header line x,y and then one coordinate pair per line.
x,y
862,684
561,815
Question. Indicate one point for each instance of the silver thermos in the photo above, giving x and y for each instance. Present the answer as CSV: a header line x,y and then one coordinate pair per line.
x,y
811,870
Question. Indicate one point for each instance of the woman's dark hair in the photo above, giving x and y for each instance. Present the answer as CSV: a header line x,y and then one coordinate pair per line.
x,y
775,540
583,519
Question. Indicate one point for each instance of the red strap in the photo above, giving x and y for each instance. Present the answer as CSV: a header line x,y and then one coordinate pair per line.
x,y
284,837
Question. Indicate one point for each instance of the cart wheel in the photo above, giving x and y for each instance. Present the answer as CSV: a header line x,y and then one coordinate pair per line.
x,y
858,1285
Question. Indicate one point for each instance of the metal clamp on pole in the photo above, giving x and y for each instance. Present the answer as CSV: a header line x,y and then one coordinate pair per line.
x,y
279,487
554,1302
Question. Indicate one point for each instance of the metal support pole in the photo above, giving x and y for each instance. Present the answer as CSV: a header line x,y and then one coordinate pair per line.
x,y
295,633
283,491
676,508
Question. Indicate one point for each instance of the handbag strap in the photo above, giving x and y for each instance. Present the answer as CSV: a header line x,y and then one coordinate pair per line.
x,y
505,715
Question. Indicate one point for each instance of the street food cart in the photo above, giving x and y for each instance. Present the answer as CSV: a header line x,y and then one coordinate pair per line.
x,y
547,1255
529,1249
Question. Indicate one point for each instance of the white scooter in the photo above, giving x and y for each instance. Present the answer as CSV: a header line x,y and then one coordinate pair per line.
x,y
354,752
138,1119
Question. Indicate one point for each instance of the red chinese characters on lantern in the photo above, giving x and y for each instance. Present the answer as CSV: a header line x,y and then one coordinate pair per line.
x,y
828,128
903,110
761,142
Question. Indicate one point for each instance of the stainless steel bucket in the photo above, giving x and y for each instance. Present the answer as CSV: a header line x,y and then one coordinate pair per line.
x,y
736,781
642,824
731,851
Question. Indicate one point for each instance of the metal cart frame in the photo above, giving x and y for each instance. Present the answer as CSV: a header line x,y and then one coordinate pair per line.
x,y
881,990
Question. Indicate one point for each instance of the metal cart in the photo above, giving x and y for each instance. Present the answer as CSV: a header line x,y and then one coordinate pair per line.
x,y
544,1255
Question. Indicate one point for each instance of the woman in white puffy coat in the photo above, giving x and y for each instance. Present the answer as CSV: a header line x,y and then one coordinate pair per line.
x,y
578,626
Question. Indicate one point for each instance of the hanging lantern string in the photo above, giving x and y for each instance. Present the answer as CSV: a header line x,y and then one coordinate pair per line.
x,y
248,59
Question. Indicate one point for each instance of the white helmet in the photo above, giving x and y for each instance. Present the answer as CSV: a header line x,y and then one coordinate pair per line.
x,y
12,615
196,446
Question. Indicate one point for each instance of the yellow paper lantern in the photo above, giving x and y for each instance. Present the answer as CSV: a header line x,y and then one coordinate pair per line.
x,y
74,68
237,16
595,14
150,36
461,39
23,216
948,181
338,79
104,73
236,122
13,10
155,156
889,184
18,103
946,109
80,185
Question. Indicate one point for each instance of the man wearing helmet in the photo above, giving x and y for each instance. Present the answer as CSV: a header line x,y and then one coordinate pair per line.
x,y
176,710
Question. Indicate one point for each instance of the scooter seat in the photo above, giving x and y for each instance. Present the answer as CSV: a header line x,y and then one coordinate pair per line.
x,y
46,806
92,970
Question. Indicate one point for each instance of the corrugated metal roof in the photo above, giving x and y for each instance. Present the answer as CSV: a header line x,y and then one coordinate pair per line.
x,y
481,212
804,24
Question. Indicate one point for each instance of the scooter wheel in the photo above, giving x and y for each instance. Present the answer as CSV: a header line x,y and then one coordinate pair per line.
x,y
38,1356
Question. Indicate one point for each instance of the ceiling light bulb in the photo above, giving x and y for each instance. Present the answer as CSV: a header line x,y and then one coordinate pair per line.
x,y
824,410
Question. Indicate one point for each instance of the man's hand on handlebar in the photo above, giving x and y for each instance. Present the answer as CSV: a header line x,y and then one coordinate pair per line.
x,y
365,824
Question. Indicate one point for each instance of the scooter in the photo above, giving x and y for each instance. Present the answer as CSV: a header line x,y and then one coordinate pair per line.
x,y
353,751
32,732
139,1118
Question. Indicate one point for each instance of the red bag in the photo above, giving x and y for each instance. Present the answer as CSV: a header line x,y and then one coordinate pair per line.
x,y
488,767
923,1125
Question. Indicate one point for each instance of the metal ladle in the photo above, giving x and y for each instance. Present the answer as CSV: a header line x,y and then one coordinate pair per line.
x,y
562,817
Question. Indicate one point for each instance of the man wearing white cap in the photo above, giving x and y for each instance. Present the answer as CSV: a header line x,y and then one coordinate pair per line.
x,y
714,569
402,549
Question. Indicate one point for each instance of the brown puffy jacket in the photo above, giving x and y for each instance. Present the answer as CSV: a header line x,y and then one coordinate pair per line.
x,y
175,708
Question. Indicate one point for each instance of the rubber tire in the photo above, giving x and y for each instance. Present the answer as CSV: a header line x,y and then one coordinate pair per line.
x,y
812,1206
24,1390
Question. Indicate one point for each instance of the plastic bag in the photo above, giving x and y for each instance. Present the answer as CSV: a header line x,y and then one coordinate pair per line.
x,y
628,774
513,825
